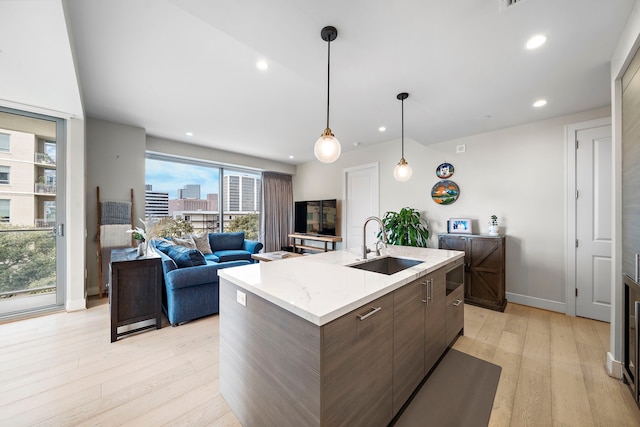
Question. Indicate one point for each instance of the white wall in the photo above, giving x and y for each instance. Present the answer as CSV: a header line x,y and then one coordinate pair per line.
x,y
175,148
115,163
516,173
75,212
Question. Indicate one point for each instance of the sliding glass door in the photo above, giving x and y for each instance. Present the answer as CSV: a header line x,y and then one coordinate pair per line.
x,y
31,231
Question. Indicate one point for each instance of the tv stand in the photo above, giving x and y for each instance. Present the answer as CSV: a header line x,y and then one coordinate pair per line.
x,y
298,247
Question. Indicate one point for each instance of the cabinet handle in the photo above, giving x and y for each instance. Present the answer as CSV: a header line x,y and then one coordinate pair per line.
x,y
457,302
373,311
425,292
430,290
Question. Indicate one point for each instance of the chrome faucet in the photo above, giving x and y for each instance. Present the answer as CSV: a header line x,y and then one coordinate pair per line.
x,y
365,250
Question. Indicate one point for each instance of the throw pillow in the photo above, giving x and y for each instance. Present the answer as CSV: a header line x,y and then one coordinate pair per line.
x,y
202,242
185,257
186,241
163,244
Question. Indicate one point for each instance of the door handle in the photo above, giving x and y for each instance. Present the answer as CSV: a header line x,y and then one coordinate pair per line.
x,y
58,230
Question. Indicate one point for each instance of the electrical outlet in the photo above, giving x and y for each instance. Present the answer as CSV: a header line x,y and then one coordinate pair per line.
x,y
241,297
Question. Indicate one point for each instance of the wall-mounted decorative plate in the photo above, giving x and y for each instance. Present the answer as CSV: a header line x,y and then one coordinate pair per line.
x,y
445,170
445,192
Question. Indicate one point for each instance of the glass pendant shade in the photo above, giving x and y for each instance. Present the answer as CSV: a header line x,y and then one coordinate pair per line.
x,y
402,171
327,148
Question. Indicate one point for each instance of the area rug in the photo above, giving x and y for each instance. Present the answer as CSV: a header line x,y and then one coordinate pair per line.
x,y
459,392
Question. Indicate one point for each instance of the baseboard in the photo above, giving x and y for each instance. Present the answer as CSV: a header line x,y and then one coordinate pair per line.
x,y
614,367
545,304
76,304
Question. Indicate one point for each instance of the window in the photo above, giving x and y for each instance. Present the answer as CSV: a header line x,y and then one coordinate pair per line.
x,y
5,211
4,174
5,142
208,196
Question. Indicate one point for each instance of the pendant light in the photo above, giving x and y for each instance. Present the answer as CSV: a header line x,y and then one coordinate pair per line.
x,y
327,148
402,171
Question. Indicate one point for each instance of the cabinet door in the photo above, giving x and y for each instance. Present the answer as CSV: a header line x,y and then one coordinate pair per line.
x,y
357,366
408,340
486,272
454,314
434,324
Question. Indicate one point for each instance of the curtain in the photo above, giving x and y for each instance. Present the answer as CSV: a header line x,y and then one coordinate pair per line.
x,y
277,212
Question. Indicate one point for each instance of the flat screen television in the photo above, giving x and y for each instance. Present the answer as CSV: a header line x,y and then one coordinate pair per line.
x,y
316,217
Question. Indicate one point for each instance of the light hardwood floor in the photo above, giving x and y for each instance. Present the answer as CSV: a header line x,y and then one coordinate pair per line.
x,y
61,370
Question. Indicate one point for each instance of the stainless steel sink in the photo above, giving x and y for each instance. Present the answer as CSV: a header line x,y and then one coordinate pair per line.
x,y
387,265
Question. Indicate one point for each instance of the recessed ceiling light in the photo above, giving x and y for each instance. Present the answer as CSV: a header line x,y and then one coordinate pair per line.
x,y
262,65
536,41
189,133
540,103
291,157
382,129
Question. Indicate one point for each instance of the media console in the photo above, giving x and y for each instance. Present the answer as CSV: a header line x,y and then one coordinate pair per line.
x,y
298,247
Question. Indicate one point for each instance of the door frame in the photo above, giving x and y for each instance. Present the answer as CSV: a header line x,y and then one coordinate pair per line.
x,y
345,173
570,220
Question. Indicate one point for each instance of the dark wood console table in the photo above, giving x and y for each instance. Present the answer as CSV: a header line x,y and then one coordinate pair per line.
x,y
135,290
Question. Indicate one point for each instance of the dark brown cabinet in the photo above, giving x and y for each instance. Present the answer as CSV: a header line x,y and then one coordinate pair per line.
x,y
408,340
454,312
135,291
484,281
419,332
356,363
434,337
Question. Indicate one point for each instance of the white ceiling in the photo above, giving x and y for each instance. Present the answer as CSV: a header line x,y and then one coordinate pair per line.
x,y
172,66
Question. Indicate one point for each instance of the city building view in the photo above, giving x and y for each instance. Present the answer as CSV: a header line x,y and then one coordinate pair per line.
x,y
201,204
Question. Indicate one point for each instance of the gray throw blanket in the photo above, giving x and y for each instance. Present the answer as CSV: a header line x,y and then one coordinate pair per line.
x,y
115,212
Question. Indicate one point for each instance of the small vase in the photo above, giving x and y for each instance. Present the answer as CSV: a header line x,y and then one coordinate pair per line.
x,y
141,249
493,230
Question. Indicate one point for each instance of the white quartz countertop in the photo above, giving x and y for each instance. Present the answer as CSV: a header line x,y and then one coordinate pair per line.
x,y
321,287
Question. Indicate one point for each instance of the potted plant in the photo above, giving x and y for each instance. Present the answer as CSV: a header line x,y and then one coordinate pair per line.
x,y
405,228
493,226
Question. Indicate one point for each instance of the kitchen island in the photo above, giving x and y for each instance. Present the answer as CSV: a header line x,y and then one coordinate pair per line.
x,y
312,341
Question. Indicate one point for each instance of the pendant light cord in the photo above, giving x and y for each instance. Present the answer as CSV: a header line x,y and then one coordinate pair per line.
x,y
328,78
402,128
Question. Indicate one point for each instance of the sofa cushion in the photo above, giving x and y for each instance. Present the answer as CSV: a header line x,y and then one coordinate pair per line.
x,y
224,241
233,255
185,257
211,258
202,242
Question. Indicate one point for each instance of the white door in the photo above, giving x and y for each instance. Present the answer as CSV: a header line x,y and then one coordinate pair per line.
x,y
360,201
594,212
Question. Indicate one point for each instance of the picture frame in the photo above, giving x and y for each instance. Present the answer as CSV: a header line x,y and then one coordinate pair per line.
x,y
460,226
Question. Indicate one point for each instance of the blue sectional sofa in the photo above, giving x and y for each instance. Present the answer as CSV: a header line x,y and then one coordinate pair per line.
x,y
191,284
